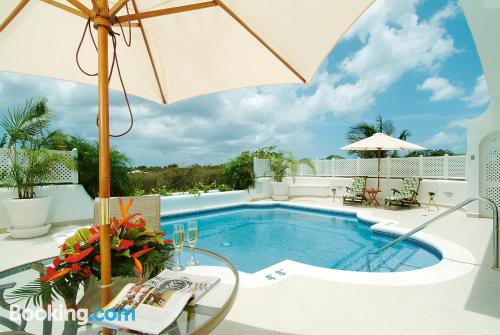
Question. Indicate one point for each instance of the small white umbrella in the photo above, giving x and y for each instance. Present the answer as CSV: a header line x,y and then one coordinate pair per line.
x,y
379,142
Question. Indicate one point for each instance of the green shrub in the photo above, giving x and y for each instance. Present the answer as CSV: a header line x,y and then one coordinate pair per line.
x,y
178,179
239,173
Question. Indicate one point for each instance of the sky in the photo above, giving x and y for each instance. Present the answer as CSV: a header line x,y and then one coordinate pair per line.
x,y
411,61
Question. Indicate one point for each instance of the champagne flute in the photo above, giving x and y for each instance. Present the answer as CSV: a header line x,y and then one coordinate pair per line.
x,y
178,244
192,227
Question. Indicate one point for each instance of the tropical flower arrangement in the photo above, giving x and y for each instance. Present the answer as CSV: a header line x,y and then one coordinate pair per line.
x,y
135,252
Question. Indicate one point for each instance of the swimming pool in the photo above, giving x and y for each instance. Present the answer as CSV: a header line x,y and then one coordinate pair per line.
x,y
255,237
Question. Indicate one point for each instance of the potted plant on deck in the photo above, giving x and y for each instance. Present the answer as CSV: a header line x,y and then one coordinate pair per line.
x,y
27,165
284,164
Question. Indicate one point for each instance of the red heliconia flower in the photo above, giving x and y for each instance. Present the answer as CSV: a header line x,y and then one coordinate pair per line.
x,y
130,225
163,232
54,275
86,271
124,244
76,246
137,265
79,256
93,238
51,270
97,258
75,267
94,230
141,252
167,241
57,261
64,247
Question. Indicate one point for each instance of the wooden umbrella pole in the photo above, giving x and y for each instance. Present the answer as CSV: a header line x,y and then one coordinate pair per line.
x,y
378,169
103,25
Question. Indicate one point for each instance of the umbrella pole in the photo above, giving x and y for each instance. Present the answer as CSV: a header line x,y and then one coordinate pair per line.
x,y
378,169
104,160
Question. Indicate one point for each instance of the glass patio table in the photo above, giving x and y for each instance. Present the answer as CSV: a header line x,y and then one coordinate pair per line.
x,y
201,318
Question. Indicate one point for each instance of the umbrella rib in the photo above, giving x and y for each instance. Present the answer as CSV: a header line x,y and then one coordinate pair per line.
x,y
165,11
13,14
66,8
117,6
260,39
150,54
80,6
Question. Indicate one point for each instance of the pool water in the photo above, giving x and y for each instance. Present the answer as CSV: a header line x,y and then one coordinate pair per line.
x,y
255,237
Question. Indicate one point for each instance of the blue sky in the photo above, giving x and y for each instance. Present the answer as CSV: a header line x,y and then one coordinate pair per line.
x,y
411,61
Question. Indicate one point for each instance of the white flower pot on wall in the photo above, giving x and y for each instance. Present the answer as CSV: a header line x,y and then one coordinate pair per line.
x,y
28,217
280,190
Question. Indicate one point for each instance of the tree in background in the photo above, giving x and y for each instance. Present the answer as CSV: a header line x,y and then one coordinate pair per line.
x,y
364,130
25,140
88,165
239,173
334,156
431,153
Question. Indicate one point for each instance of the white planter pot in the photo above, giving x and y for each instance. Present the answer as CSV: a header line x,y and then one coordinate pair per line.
x,y
280,190
28,217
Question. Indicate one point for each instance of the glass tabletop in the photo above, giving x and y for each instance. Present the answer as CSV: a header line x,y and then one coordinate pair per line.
x,y
201,318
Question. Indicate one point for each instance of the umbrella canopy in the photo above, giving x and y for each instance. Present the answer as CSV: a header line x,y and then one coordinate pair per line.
x,y
179,49
380,141
182,48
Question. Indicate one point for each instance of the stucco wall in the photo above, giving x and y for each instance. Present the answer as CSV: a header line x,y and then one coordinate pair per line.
x,y
70,203
189,201
483,18
448,192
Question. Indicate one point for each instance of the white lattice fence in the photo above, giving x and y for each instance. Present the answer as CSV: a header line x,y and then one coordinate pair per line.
x,y
433,167
60,175
442,167
261,167
457,166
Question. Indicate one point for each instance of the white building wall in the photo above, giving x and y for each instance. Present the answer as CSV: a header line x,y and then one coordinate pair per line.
x,y
483,17
70,203
189,201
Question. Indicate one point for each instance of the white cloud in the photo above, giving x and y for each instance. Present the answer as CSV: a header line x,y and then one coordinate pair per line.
x,y
396,42
480,95
459,123
440,88
444,140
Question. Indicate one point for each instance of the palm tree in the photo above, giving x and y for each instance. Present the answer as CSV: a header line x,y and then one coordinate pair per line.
x,y
285,163
364,129
26,134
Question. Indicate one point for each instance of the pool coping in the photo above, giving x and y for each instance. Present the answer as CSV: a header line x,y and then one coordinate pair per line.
x,y
456,259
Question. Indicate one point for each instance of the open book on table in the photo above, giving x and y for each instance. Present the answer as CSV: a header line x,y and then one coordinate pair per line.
x,y
151,307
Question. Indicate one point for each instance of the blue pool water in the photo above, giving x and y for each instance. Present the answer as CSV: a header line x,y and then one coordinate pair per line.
x,y
256,236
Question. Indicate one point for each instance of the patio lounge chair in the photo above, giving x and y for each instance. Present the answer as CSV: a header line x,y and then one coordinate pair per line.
x,y
355,193
147,205
408,194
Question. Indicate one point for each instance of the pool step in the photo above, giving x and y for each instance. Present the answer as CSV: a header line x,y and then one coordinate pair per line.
x,y
389,261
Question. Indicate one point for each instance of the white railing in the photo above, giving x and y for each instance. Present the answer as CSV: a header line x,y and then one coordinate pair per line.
x,y
439,167
60,174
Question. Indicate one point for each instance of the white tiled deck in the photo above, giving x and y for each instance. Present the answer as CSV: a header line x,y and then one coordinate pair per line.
x,y
469,304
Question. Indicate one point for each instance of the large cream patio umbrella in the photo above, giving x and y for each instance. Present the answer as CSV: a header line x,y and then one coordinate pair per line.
x,y
381,142
179,49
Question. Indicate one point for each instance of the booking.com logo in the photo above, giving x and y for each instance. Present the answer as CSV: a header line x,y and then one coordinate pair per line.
x,y
61,313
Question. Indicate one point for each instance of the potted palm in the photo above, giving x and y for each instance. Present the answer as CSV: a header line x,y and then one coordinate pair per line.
x,y
27,166
282,165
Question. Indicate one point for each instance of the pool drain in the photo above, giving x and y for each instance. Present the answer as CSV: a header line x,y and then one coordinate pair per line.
x,y
226,244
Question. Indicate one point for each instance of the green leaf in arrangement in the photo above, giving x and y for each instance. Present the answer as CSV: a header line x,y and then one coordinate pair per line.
x,y
81,236
125,253
115,241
